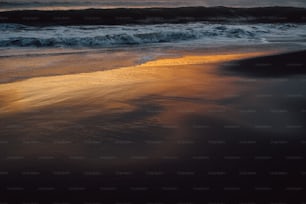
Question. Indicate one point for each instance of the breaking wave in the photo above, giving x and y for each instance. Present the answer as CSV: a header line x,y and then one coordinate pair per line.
x,y
15,35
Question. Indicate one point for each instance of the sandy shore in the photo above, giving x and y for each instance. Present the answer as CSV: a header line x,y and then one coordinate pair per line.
x,y
176,128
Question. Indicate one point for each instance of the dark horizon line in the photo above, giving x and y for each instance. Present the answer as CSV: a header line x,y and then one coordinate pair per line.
x,y
154,15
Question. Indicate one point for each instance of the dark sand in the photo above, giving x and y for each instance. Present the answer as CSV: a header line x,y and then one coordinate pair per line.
x,y
157,133
281,65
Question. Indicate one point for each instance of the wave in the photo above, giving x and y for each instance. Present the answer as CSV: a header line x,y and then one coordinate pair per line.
x,y
123,38
122,16
16,35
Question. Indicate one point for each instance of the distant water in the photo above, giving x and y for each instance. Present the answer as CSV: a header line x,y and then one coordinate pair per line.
x,y
77,4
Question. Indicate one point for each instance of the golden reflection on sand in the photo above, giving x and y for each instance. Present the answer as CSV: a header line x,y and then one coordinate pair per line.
x,y
117,104
190,60
107,88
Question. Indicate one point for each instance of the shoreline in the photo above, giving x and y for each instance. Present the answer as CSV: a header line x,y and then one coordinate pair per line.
x,y
27,67
271,64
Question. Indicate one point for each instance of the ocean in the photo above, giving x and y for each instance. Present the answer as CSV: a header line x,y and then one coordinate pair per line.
x,y
173,27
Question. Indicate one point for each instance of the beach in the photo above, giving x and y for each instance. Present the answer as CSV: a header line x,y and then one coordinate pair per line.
x,y
177,127
152,102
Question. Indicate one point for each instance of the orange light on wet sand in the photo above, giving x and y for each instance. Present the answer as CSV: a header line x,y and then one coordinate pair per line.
x,y
121,84
190,60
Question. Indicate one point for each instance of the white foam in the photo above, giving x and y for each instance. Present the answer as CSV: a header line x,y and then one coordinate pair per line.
x,y
13,35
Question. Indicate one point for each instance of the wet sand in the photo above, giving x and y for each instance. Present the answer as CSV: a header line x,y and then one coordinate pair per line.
x,y
281,65
35,64
174,129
